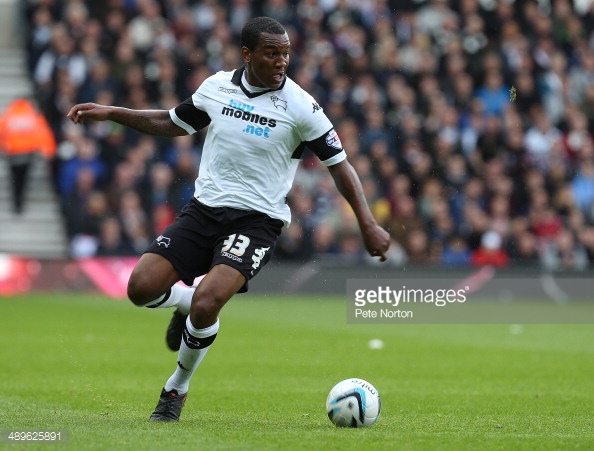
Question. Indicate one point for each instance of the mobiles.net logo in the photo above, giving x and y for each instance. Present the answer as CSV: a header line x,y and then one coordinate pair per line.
x,y
258,125
389,296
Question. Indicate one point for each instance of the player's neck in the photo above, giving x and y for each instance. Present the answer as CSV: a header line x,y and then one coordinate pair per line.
x,y
250,87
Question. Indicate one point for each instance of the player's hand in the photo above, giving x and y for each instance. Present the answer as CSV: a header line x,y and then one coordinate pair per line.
x,y
377,241
92,111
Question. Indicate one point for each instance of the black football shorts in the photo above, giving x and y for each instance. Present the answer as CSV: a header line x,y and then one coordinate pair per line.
x,y
202,237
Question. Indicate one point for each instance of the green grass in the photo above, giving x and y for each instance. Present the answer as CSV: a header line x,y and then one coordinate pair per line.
x,y
95,367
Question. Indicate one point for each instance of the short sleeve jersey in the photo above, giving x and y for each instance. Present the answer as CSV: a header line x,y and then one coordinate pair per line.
x,y
254,142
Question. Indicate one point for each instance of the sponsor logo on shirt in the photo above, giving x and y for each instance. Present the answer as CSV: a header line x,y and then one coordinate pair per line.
x,y
259,125
228,90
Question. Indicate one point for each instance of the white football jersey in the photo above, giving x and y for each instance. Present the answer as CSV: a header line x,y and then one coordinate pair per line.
x,y
254,142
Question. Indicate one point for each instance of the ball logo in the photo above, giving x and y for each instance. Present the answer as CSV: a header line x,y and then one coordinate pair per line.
x,y
333,140
359,397
353,403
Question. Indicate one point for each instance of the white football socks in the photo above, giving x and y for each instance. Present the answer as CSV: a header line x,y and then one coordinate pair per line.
x,y
177,296
194,346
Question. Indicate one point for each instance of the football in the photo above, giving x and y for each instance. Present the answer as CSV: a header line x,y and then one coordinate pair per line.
x,y
353,403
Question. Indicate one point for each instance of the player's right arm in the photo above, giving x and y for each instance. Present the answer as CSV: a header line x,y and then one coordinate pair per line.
x,y
150,122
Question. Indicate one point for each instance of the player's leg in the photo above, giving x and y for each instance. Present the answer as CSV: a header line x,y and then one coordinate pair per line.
x,y
182,252
152,284
237,257
202,325
213,292
201,328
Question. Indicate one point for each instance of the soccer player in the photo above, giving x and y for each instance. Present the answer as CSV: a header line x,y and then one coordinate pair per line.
x,y
259,124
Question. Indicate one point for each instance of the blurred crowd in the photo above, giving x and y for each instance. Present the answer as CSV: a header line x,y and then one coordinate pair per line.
x,y
469,121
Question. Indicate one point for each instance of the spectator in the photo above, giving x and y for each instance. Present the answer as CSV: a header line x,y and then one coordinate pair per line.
x,y
564,253
85,230
417,247
135,223
582,185
581,76
61,61
24,133
87,156
112,240
552,89
40,34
292,244
545,223
456,252
99,80
91,214
523,248
145,27
77,200
539,139
493,93
160,185
490,252
576,134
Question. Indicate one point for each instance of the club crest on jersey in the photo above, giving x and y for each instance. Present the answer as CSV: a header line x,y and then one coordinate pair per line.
x,y
163,240
278,102
333,140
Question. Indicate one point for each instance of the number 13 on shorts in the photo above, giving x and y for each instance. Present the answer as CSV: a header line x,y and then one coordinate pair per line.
x,y
237,244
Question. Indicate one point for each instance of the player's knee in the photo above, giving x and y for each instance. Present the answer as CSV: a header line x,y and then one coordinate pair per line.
x,y
139,290
205,305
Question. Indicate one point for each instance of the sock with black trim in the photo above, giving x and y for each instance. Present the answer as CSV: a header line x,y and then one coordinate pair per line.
x,y
177,296
194,346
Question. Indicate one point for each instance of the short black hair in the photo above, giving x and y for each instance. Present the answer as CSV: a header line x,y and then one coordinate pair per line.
x,y
253,28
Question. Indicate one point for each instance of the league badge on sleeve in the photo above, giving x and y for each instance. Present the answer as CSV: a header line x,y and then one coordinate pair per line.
x,y
333,140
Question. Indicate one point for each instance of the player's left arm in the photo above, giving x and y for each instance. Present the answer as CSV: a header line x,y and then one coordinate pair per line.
x,y
328,148
375,238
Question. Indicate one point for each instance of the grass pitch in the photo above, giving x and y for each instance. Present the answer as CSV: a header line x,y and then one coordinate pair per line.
x,y
94,367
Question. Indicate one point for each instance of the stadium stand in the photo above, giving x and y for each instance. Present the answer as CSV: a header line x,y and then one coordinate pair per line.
x,y
464,119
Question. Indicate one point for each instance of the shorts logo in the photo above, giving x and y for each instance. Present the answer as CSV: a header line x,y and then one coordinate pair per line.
x,y
279,103
258,256
163,240
333,140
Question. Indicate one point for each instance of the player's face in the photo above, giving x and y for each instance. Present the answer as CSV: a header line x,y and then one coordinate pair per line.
x,y
267,63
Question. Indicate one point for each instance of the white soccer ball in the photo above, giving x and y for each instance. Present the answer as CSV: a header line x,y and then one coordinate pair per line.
x,y
353,403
